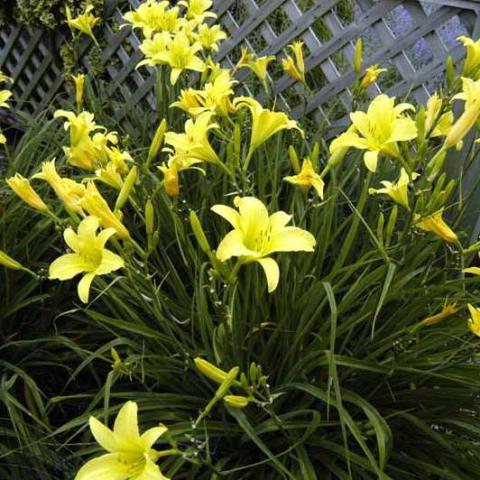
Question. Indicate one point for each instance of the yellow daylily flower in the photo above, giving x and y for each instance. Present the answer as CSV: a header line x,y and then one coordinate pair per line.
x,y
216,95
397,191
447,311
89,256
378,130
171,169
131,456
436,225
83,22
93,203
265,123
308,178
198,9
474,320
434,126
147,17
180,54
3,139
371,75
471,66
80,126
109,174
471,96
79,82
189,101
21,186
258,65
295,67
194,142
66,189
210,36
256,235
4,96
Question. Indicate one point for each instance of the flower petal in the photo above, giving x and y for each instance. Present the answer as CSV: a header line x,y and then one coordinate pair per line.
x,y
152,435
83,287
232,245
106,467
126,423
110,262
291,239
272,272
279,220
103,435
371,160
150,472
228,213
66,267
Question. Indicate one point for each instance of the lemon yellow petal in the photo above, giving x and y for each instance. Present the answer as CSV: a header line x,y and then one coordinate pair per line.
x,y
106,467
126,423
110,262
103,435
272,272
371,159
228,213
233,245
152,435
291,239
84,287
66,267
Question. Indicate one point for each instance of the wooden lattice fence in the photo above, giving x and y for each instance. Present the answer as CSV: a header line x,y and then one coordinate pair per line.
x,y
413,36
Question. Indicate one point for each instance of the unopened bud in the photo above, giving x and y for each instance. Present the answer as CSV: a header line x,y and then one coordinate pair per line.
x,y
127,187
236,401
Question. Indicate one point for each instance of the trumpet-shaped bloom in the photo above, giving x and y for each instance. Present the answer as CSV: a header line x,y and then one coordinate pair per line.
x,y
210,36
265,123
66,189
436,225
295,67
194,144
198,9
371,75
471,96
378,130
130,455
79,82
83,22
189,101
148,16
474,320
471,66
21,186
96,205
256,235
215,97
89,256
397,191
180,54
170,170
258,65
308,178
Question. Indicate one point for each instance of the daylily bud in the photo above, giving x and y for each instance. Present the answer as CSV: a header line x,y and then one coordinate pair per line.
x,y
450,71
236,401
9,262
79,81
336,158
391,225
315,154
127,187
237,140
420,122
227,383
463,125
357,61
199,233
210,371
170,181
21,186
117,362
156,142
380,227
149,217
292,153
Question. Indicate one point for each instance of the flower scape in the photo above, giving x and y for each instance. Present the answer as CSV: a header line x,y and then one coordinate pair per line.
x,y
264,300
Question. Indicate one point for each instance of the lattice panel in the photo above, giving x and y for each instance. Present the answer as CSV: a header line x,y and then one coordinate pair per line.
x,y
413,37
